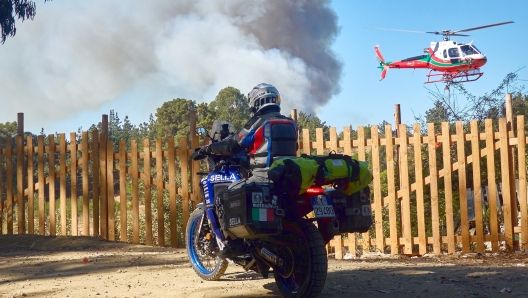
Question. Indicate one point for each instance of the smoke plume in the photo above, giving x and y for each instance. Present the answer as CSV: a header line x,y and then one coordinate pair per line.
x,y
79,55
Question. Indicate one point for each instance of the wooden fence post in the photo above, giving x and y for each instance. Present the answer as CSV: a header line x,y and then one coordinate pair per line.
x,y
21,185
73,185
506,189
195,165
522,182
511,161
1,187
62,183
294,117
103,218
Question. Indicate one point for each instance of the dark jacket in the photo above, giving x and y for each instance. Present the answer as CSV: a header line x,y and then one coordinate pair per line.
x,y
266,136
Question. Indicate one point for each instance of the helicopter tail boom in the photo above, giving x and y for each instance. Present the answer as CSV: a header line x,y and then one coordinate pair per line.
x,y
382,64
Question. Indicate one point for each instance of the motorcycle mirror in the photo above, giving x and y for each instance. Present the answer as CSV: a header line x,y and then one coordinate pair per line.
x,y
201,131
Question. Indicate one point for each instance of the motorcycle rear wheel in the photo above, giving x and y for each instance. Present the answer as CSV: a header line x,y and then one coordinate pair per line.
x,y
203,253
310,264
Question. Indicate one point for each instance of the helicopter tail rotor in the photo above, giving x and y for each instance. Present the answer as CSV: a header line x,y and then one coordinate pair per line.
x,y
382,64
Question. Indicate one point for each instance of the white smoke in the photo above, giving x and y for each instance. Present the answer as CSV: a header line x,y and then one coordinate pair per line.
x,y
78,55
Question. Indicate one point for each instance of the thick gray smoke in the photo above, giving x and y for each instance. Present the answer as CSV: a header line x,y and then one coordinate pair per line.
x,y
79,55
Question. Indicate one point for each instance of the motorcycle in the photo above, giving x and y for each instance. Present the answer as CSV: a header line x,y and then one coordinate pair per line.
x,y
271,225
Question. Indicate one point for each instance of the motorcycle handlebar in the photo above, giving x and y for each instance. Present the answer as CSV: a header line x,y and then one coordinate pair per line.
x,y
198,154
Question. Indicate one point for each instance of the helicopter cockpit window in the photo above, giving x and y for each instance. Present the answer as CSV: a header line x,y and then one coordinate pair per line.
x,y
445,54
475,48
453,53
468,50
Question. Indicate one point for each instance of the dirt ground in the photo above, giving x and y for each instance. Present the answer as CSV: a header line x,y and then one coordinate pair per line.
x,y
38,266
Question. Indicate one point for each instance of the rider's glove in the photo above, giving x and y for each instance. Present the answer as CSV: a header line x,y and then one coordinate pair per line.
x,y
206,148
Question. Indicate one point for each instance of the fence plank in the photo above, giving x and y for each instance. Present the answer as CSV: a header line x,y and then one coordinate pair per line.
x,y
320,141
159,192
173,191
462,195
135,192
306,141
95,188
351,237
148,192
184,165
195,168
103,164
448,187
21,213
62,181
492,186
405,189
506,190
85,181
378,213
1,188
110,190
521,155
338,239
9,185
122,191
420,209
41,184
391,190
477,185
365,238
433,174
73,183
51,163
30,186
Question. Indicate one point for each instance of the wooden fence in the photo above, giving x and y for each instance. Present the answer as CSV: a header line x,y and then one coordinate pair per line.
x,y
418,192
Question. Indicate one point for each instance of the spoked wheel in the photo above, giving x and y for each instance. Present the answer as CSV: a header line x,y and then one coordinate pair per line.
x,y
310,262
202,248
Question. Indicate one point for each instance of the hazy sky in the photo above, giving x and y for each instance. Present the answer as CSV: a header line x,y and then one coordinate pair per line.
x,y
78,59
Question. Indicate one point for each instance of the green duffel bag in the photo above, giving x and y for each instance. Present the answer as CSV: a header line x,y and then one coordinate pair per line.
x,y
295,175
365,177
337,167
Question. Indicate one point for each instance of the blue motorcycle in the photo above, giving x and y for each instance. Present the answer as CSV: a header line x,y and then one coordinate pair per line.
x,y
270,224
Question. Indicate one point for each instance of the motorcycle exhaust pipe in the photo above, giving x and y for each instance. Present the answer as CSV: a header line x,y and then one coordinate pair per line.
x,y
269,256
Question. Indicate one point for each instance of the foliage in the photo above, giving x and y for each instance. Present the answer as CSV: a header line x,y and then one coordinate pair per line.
x,y
11,9
307,121
230,105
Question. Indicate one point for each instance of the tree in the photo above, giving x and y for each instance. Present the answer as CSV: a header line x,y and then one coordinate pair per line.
x,y
307,121
471,107
230,105
11,9
172,118
8,129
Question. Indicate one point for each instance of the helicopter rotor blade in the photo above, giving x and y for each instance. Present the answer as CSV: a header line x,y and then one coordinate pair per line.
x,y
412,31
482,27
451,33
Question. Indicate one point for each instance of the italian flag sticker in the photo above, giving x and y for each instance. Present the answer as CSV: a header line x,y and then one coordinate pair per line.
x,y
260,214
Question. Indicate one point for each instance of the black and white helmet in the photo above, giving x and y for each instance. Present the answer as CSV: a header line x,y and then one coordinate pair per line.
x,y
263,95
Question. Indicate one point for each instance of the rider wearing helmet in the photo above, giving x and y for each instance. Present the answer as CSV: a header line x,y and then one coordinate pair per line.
x,y
266,137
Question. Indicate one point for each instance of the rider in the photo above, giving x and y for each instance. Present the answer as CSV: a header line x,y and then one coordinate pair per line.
x,y
267,136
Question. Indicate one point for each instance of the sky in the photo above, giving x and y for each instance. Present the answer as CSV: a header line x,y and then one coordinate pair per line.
x,y
78,60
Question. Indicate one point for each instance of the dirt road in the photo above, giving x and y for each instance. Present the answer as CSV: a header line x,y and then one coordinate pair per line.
x,y
37,266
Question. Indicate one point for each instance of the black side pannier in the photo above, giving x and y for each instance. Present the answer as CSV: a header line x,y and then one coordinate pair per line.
x,y
252,211
353,211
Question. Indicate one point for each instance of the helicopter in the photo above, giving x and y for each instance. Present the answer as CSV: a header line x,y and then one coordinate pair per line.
x,y
449,61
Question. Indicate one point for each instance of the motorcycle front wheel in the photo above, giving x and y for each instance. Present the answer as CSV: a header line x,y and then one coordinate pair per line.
x,y
202,248
310,262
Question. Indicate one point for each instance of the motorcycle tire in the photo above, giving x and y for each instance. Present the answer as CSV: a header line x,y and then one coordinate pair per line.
x,y
202,252
310,262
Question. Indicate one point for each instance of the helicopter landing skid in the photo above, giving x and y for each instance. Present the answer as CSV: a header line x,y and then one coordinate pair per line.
x,y
454,77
